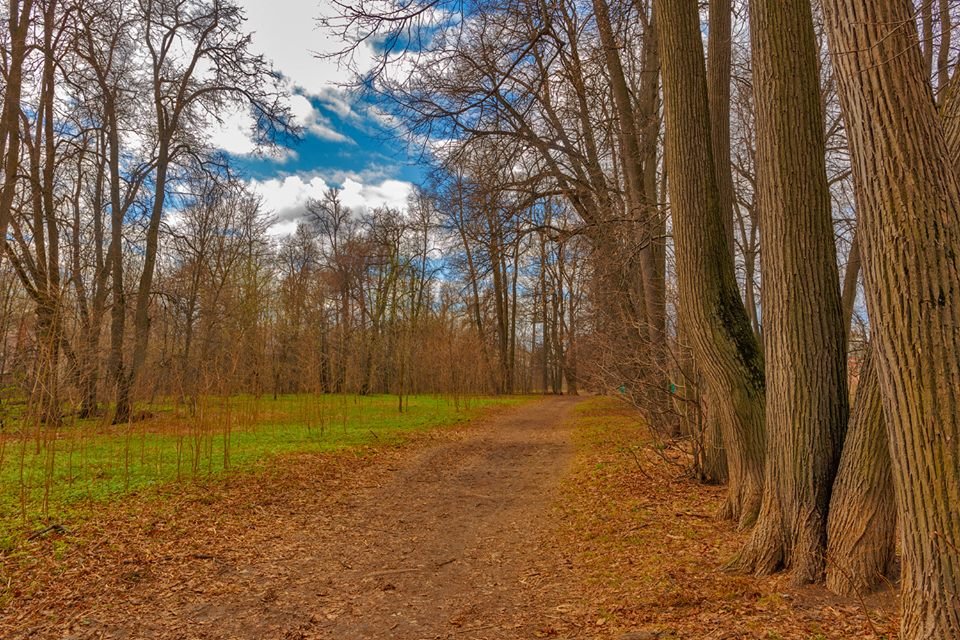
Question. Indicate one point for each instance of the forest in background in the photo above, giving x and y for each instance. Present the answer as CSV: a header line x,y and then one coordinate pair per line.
x,y
740,217
138,265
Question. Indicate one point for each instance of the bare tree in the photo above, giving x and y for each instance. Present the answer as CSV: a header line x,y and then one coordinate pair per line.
x,y
216,69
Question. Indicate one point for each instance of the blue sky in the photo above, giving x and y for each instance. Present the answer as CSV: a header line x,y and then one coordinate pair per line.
x,y
345,143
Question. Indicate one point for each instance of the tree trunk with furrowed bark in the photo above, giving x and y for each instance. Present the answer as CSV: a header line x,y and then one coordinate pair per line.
x,y
862,525
909,216
712,312
861,529
804,336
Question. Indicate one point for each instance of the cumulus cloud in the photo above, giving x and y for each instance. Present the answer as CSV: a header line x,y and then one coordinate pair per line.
x,y
314,122
287,197
287,33
390,193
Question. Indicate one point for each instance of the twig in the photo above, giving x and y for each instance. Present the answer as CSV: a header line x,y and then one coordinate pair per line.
x,y
391,572
55,528
637,460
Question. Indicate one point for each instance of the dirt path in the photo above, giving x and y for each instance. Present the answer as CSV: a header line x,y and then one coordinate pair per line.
x,y
442,544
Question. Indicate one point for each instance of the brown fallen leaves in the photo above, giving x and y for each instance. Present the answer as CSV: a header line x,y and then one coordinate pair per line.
x,y
120,559
648,551
624,554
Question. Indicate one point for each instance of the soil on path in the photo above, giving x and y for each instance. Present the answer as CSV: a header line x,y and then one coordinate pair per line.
x,y
436,541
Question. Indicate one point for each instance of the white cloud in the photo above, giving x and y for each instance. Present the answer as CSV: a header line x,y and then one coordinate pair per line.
x,y
338,101
392,193
282,229
234,135
286,197
288,34
291,39
314,122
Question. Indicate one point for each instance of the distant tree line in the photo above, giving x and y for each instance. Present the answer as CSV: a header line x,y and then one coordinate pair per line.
x,y
138,266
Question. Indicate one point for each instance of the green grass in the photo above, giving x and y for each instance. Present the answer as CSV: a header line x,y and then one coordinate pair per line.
x,y
45,473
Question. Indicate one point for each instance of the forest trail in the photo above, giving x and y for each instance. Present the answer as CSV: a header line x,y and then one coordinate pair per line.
x,y
444,542
446,547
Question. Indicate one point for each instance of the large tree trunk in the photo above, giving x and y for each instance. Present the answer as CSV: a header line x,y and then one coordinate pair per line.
x,y
46,236
91,308
714,460
141,315
722,340
861,528
909,218
804,337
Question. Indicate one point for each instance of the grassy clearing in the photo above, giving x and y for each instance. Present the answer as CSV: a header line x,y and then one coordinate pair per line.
x,y
46,473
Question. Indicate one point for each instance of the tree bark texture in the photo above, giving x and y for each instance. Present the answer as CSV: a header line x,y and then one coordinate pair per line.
x,y
861,528
909,213
722,340
804,337
718,90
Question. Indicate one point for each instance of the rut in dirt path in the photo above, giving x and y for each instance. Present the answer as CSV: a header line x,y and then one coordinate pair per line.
x,y
446,546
